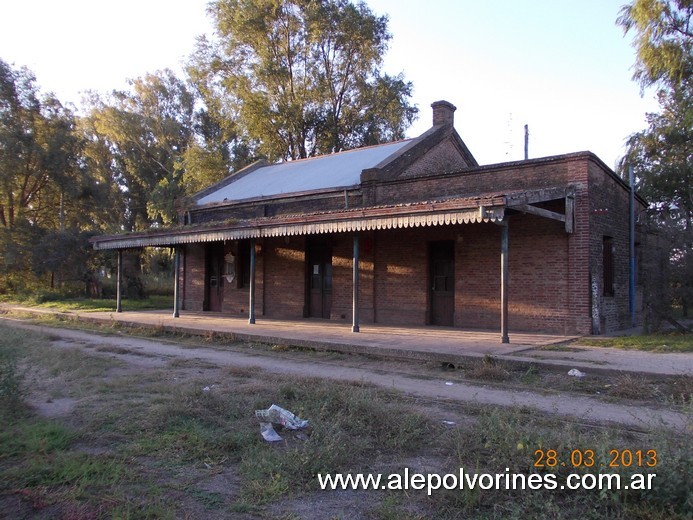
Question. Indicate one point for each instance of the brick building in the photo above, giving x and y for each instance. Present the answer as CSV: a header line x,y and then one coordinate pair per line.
x,y
536,245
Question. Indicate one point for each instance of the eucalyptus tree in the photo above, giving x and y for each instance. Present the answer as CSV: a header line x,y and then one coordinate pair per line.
x,y
663,39
303,77
662,154
218,145
139,137
28,144
45,192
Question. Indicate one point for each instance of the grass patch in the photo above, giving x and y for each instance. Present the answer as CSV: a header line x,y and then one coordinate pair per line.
x,y
12,387
506,442
33,437
488,369
351,425
673,342
629,387
153,443
154,302
68,468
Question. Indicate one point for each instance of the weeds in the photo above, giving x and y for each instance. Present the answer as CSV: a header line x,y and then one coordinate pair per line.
x,y
672,342
142,441
488,369
681,390
12,388
506,442
531,376
628,387
34,437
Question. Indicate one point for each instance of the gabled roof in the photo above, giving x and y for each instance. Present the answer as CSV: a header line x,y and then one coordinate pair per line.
x,y
338,170
438,148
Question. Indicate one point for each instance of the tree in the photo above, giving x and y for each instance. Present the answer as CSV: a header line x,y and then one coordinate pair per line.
x,y
139,139
662,159
218,145
661,155
35,145
303,76
45,191
663,39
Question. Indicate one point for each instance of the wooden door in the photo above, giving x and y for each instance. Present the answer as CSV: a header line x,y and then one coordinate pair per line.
x,y
320,281
215,277
442,283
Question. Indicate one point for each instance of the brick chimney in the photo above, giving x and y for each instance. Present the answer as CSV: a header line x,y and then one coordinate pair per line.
x,y
443,113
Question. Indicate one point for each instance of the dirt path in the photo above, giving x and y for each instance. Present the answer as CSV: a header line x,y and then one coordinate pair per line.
x,y
406,377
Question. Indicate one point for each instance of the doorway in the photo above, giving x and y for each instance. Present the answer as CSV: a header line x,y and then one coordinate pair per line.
x,y
319,281
442,282
214,286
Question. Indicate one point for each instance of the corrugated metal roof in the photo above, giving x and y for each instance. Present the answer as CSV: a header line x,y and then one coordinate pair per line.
x,y
339,170
270,229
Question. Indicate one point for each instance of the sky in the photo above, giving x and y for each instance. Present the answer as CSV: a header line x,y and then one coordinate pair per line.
x,y
562,68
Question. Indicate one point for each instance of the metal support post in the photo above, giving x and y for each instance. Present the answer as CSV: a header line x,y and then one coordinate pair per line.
x,y
355,284
251,309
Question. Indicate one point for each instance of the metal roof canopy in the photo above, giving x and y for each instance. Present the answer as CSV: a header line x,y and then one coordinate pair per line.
x,y
339,170
345,221
490,208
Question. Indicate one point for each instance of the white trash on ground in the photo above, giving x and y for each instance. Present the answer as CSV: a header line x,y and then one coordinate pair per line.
x,y
268,433
278,415
574,372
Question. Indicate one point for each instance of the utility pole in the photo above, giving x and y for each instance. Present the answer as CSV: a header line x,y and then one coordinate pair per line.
x,y
631,277
526,142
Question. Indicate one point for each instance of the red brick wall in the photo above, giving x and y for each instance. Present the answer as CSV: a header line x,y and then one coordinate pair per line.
x,y
443,157
539,285
400,277
550,270
394,276
193,287
330,201
237,299
193,278
503,178
284,274
342,277
609,216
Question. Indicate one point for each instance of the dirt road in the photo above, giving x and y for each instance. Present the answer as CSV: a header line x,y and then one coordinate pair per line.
x,y
412,379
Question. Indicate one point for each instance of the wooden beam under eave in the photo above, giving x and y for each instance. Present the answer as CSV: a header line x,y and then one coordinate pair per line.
x,y
535,196
540,212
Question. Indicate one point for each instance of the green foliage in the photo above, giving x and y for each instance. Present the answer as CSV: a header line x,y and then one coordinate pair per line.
x,y
663,40
74,469
661,154
303,77
661,159
48,197
138,137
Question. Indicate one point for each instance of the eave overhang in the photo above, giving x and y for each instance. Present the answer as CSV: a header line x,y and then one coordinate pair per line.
x,y
424,214
486,208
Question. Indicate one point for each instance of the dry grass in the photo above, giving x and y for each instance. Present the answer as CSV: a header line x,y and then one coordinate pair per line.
x,y
488,369
630,387
174,442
